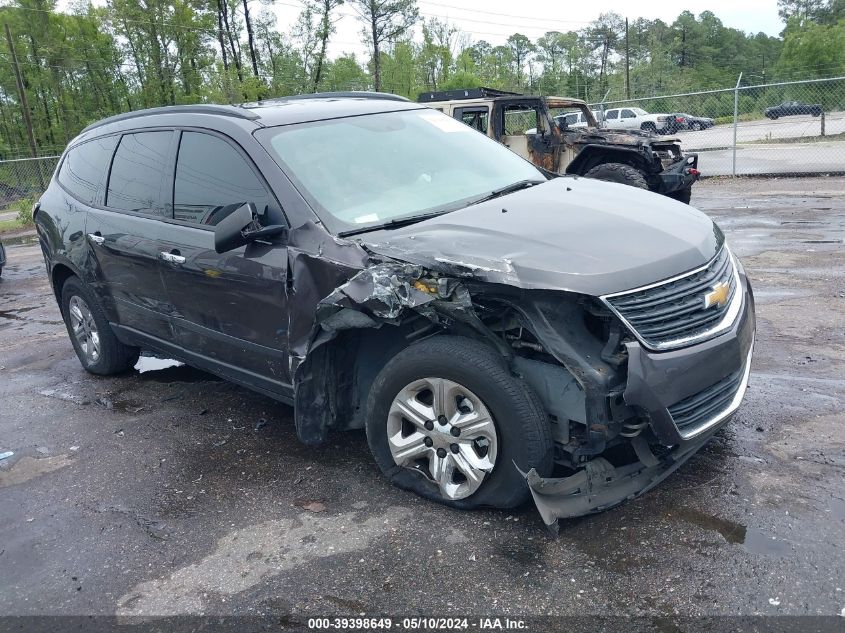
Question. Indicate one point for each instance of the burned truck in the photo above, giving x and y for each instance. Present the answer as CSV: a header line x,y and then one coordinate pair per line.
x,y
537,129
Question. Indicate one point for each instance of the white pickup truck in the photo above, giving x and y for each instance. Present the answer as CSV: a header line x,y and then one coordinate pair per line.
x,y
636,119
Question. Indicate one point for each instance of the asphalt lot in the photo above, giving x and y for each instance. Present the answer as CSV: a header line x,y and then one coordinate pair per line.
x,y
781,158
171,492
758,149
762,130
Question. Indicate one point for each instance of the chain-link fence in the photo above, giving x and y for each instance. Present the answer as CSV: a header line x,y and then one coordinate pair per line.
x,y
795,127
22,180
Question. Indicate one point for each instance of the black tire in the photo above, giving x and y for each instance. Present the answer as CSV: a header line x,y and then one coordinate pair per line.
x,y
649,127
682,195
617,172
695,126
114,356
522,425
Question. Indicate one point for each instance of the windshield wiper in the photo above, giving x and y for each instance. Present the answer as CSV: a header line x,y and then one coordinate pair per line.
x,y
516,186
392,224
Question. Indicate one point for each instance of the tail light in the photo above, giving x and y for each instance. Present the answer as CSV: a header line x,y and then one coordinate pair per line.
x,y
692,171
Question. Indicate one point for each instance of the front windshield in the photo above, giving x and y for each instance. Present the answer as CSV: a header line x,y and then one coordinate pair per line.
x,y
364,171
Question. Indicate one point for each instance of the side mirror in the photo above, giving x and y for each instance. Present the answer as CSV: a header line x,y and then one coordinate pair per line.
x,y
241,227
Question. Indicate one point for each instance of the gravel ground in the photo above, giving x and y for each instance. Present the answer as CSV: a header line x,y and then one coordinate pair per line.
x,y
172,492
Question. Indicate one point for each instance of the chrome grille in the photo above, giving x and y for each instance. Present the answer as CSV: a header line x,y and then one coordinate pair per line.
x,y
699,408
673,313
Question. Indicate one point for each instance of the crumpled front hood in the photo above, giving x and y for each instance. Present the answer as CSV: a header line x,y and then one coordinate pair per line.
x,y
573,234
634,138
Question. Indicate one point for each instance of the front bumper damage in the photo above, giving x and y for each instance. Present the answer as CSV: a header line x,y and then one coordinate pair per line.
x,y
656,381
680,175
601,485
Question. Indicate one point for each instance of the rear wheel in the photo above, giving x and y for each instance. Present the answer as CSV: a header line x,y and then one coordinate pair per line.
x,y
449,421
682,195
649,127
95,344
617,172
696,126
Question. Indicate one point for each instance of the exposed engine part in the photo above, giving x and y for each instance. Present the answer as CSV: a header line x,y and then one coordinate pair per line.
x,y
632,428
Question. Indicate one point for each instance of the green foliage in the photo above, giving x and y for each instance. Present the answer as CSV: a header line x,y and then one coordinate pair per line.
x,y
24,209
123,54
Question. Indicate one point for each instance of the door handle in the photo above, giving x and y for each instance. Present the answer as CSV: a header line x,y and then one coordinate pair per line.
x,y
96,238
173,258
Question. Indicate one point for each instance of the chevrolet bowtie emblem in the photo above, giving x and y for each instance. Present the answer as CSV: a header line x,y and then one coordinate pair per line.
x,y
717,296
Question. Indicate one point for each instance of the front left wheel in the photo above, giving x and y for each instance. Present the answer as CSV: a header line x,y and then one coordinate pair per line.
x,y
448,420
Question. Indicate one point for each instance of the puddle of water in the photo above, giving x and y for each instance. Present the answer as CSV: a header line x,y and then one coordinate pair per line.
x,y
758,542
732,532
752,539
14,314
125,406
169,370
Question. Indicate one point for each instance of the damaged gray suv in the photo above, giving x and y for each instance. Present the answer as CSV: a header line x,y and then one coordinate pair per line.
x,y
380,265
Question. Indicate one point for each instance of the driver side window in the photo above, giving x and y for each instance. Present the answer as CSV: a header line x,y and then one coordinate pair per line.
x,y
519,119
213,179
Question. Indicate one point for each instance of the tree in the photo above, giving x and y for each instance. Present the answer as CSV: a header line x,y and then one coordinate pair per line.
x,y
521,48
323,9
384,21
604,35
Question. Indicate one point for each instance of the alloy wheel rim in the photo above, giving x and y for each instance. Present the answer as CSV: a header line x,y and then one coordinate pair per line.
x,y
84,328
442,429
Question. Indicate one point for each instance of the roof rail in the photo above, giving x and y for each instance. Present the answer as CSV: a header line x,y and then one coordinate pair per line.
x,y
467,93
351,94
200,108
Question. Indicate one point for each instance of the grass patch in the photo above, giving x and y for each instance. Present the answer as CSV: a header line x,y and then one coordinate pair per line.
x,y
7,226
796,139
742,117
23,218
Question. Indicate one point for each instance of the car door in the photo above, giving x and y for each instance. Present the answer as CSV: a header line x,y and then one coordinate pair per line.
x,y
611,118
125,230
628,119
228,309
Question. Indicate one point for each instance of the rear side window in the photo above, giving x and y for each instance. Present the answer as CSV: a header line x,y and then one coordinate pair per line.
x,y
138,173
84,168
212,179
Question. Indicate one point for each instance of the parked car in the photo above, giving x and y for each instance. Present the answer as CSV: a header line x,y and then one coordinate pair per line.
x,y
380,265
2,257
683,121
637,119
574,120
525,124
791,108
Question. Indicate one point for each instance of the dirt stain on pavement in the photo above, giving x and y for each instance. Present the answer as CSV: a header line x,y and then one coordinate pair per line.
x,y
234,565
27,468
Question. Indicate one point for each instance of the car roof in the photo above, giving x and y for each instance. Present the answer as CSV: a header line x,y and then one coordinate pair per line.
x,y
267,113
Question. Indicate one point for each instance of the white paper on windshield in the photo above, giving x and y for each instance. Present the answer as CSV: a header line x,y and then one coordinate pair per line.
x,y
445,123
363,219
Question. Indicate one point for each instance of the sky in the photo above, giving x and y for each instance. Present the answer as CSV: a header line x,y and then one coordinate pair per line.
x,y
495,20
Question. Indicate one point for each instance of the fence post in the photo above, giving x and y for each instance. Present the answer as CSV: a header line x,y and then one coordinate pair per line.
x,y
736,120
822,121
